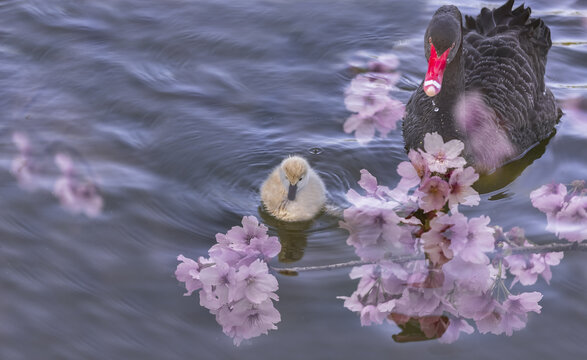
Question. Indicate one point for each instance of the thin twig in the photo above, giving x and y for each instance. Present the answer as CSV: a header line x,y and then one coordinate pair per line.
x,y
323,267
395,259
538,249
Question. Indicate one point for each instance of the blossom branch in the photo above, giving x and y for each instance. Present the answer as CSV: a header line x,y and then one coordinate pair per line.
x,y
539,249
395,259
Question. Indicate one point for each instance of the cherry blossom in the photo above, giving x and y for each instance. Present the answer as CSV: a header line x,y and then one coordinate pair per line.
x,y
234,282
219,284
434,194
369,183
455,327
254,282
243,245
456,284
373,227
247,320
372,299
188,272
571,221
440,155
527,267
461,190
511,315
566,212
437,241
473,239
549,198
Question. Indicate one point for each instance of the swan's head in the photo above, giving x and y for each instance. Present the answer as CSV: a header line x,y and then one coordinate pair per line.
x,y
441,44
294,175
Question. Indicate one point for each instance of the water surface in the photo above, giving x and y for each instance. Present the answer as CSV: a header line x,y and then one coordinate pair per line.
x,y
179,109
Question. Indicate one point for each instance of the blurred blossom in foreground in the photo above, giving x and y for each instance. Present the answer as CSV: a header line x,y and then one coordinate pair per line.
x,y
488,143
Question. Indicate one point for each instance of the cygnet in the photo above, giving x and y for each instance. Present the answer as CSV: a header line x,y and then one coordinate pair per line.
x,y
293,191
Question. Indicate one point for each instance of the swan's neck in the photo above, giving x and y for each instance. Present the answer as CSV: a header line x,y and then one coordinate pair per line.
x,y
453,84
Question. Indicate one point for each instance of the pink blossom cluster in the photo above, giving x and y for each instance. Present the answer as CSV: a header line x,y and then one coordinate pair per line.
x,y
368,98
526,267
565,209
448,281
234,282
77,193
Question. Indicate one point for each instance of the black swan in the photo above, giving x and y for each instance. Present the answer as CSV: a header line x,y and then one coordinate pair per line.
x,y
484,84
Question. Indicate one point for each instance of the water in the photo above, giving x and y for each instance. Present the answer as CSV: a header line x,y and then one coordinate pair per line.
x,y
179,109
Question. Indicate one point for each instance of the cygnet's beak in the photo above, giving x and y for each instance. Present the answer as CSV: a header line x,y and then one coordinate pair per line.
x,y
291,194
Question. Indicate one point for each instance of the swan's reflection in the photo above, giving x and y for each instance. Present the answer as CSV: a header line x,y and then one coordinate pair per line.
x,y
292,235
509,172
419,328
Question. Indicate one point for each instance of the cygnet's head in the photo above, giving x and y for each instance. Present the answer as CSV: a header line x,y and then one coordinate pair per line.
x,y
294,175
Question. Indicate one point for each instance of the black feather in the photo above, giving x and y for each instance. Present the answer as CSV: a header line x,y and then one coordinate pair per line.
x,y
503,58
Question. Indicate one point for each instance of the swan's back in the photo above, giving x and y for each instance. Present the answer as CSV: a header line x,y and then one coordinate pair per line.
x,y
504,54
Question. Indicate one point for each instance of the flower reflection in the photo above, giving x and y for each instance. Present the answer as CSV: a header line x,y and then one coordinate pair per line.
x,y
76,194
368,98
23,166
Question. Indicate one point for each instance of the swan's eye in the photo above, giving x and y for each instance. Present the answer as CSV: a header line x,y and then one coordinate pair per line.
x,y
452,46
430,40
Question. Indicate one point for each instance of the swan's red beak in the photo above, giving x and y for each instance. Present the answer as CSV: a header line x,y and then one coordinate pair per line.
x,y
436,66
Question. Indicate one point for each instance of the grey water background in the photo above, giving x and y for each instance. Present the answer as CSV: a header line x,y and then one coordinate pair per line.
x,y
180,109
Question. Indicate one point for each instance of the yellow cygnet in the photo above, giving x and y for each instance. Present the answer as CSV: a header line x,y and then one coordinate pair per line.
x,y
293,191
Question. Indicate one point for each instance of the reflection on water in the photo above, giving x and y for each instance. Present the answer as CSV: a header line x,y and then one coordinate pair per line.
x,y
74,185
293,236
509,172
419,328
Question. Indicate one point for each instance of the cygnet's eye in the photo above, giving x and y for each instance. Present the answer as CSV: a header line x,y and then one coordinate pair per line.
x,y
300,179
